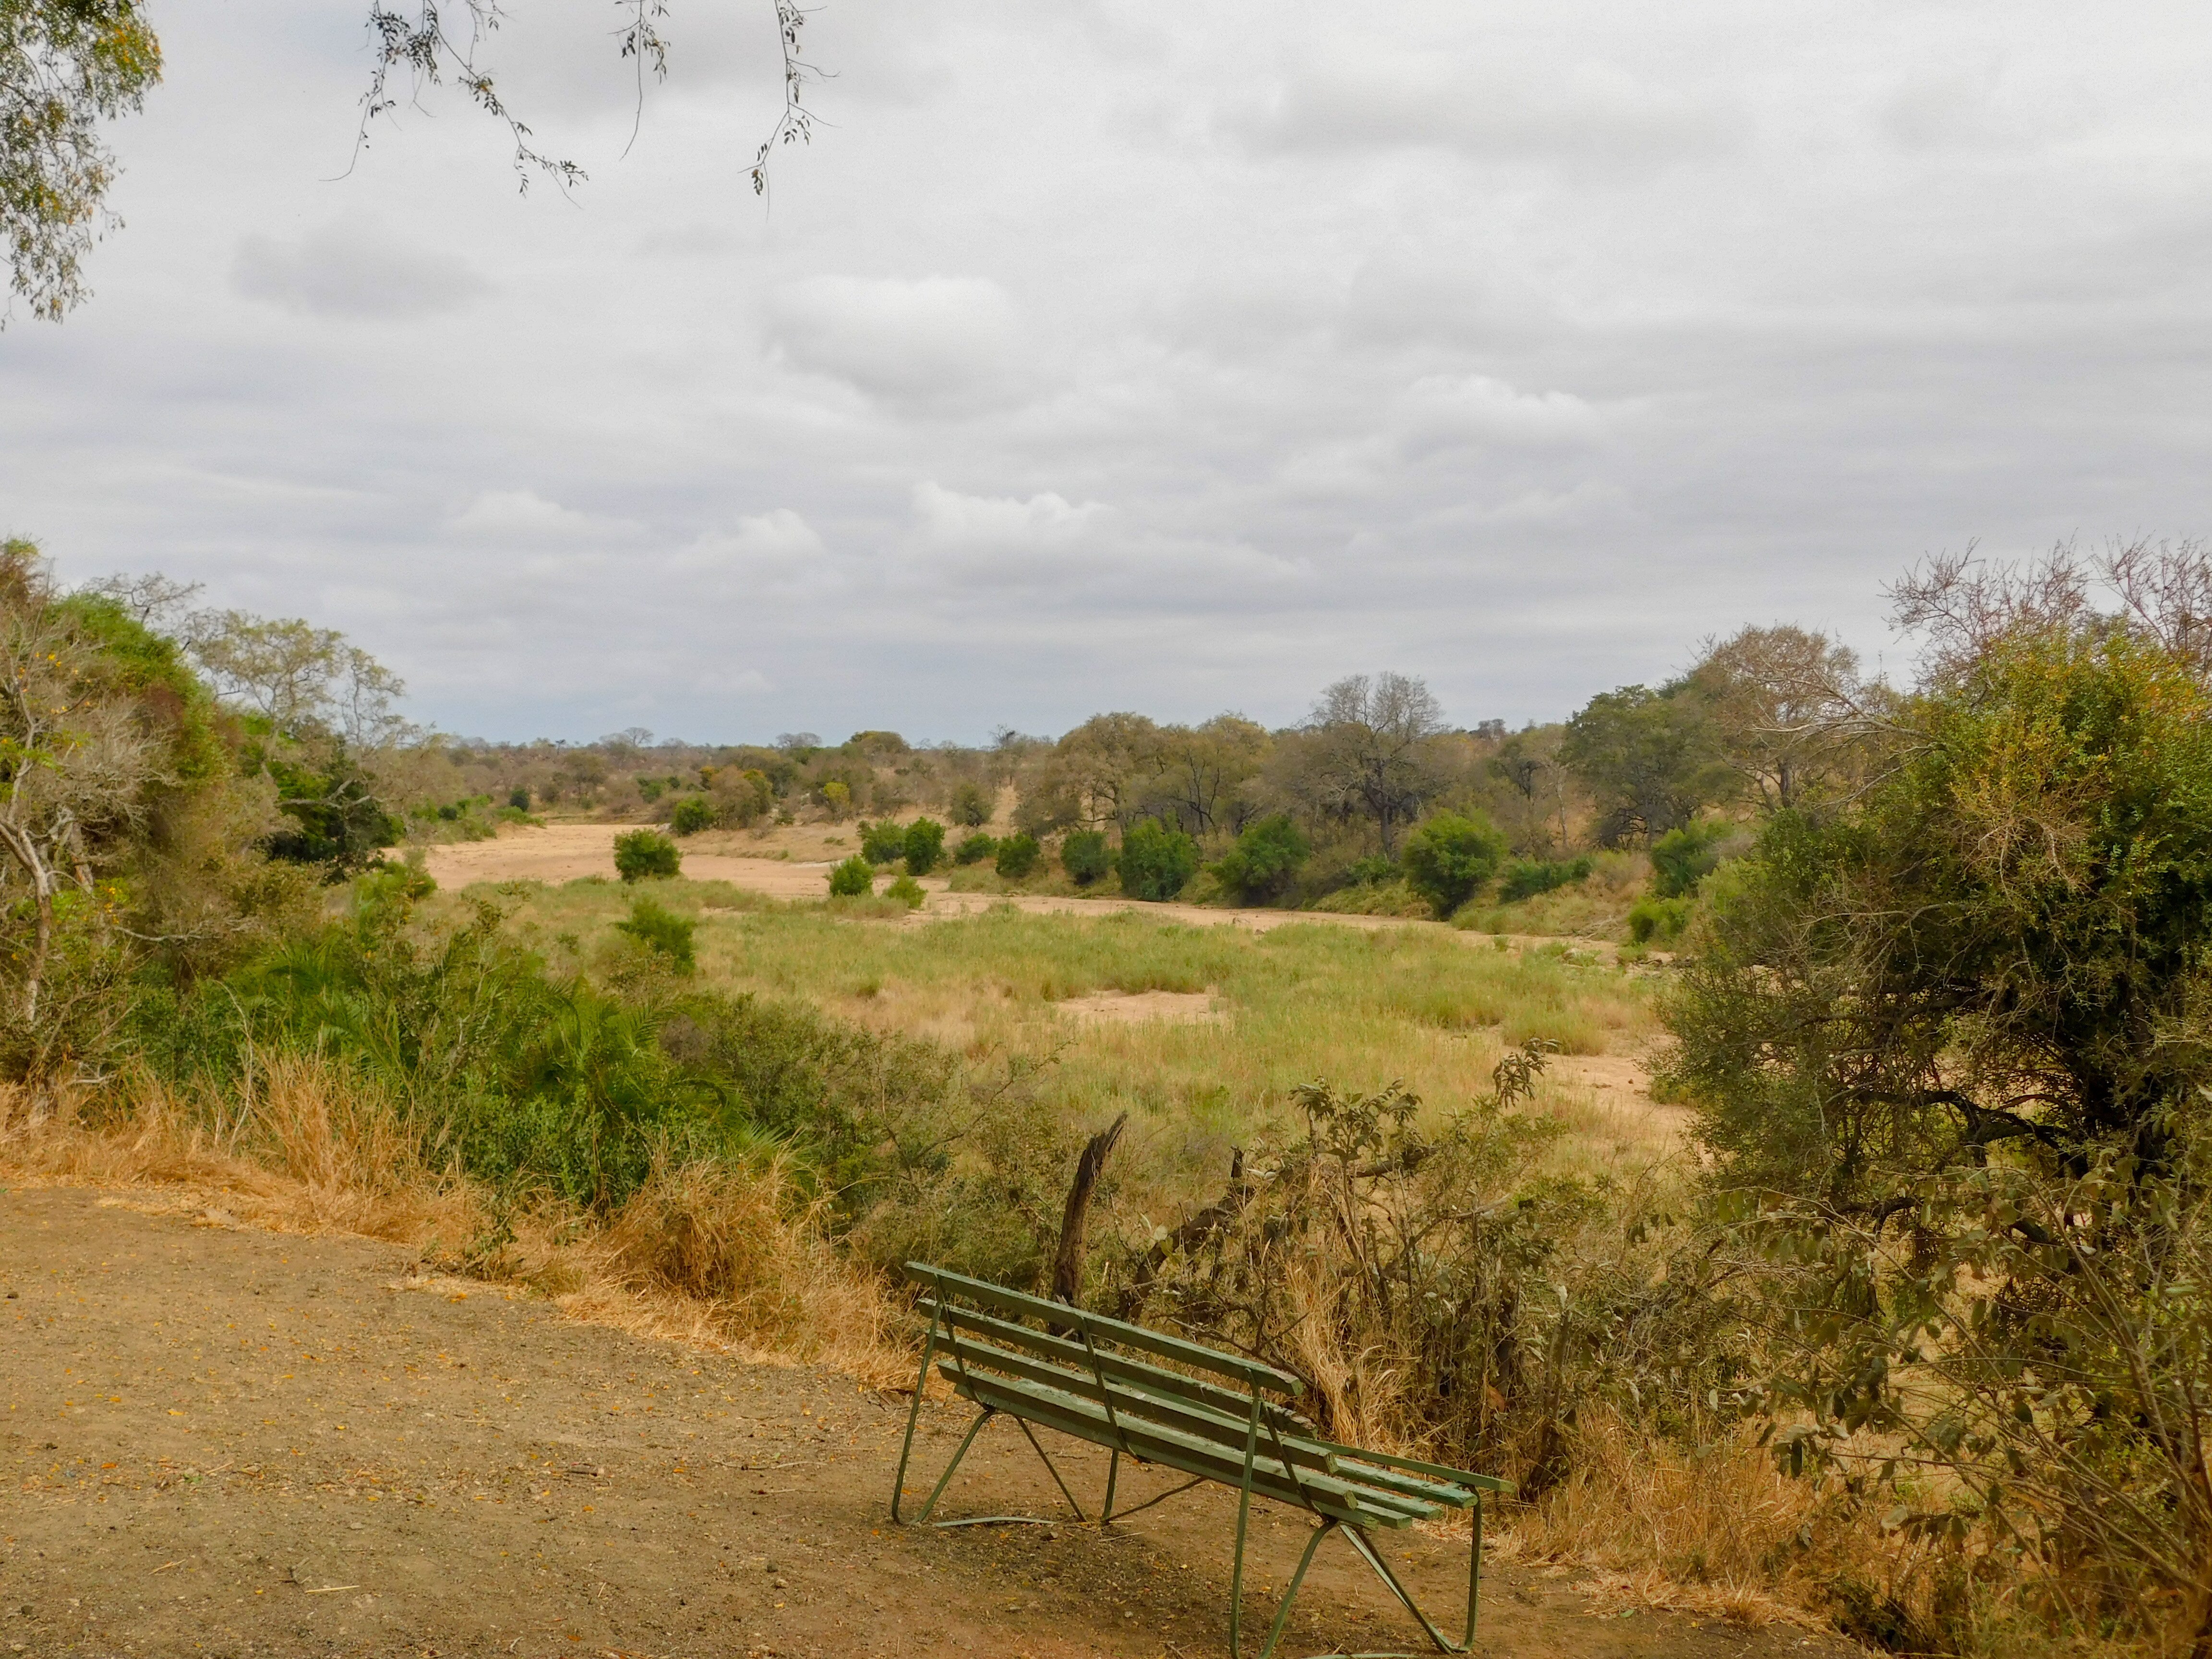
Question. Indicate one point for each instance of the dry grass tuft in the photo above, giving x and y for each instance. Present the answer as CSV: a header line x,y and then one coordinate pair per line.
x,y
734,1260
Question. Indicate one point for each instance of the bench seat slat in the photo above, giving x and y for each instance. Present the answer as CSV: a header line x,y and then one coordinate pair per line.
x,y
1155,1444
1100,1328
1222,1460
1375,1488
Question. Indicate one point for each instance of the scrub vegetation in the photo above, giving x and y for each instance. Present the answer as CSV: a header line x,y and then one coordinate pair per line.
x,y
1886,1303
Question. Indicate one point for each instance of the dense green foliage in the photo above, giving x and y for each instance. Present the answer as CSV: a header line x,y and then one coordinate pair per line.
x,y
1016,855
1085,856
662,932
692,813
908,891
923,847
1525,879
1156,862
1265,861
646,854
1650,759
1449,858
974,849
1686,856
883,842
1949,1042
855,879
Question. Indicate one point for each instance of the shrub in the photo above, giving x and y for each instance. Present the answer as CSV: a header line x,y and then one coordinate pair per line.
x,y
974,849
1526,878
1265,859
1017,856
692,814
1157,861
662,932
649,787
518,800
646,853
1373,870
908,891
882,841
924,845
1085,856
1450,857
1660,919
837,796
971,806
855,879
1682,858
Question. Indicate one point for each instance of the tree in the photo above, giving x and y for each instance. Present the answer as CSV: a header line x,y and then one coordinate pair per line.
x,y
1451,858
1017,856
1198,772
855,879
67,65
1948,1039
646,854
970,806
305,681
1157,861
692,814
1085,856
1780,700
1650,759
1528,763
1367,751
1265,861
924,845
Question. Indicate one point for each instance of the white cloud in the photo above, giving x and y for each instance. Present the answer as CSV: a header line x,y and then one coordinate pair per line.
x,y
927,343
525,515
344,271
1442,411
1001,523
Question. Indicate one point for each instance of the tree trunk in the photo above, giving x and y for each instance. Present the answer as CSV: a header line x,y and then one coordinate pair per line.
x,y
1067,1259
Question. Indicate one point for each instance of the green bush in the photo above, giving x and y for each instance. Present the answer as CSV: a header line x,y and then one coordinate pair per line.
x,y
970,806
1658,919
1526,878
1085,856
1157,861
1017,856
692,814
974,849
1682,858
924,845
1450,858
1265,860
662,932
882,841
646,853
908,891
518,800
855,879
1372,871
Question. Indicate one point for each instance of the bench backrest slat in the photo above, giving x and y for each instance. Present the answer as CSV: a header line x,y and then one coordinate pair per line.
x,y
1133,1373
1188,1417
1100,1328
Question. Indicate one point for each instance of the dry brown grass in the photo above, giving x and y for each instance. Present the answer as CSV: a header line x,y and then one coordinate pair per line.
x,y
732,1259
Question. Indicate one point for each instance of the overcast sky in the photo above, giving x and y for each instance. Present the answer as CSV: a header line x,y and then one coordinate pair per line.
x,y
1106,355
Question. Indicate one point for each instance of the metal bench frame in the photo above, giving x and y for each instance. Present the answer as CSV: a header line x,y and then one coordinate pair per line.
x,y
1076,1376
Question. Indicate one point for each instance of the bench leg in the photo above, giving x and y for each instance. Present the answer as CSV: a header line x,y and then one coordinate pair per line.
x,y
1360,1542
1283,1614
946,1478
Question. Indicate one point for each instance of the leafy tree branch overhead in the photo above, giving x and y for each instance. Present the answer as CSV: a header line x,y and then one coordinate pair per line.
x,y
67,67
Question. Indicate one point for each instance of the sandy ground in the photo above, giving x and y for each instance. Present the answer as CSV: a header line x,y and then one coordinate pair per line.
x,y
228,1443
564,852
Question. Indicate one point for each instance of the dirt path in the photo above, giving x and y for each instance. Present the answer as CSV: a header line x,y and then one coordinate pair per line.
x,y
232,1443
564,852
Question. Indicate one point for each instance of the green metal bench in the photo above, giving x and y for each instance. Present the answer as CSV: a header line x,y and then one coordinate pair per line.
x,y
1211,1416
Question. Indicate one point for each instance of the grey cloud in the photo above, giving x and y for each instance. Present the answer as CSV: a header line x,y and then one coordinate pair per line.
x,y
338,272
1591,117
